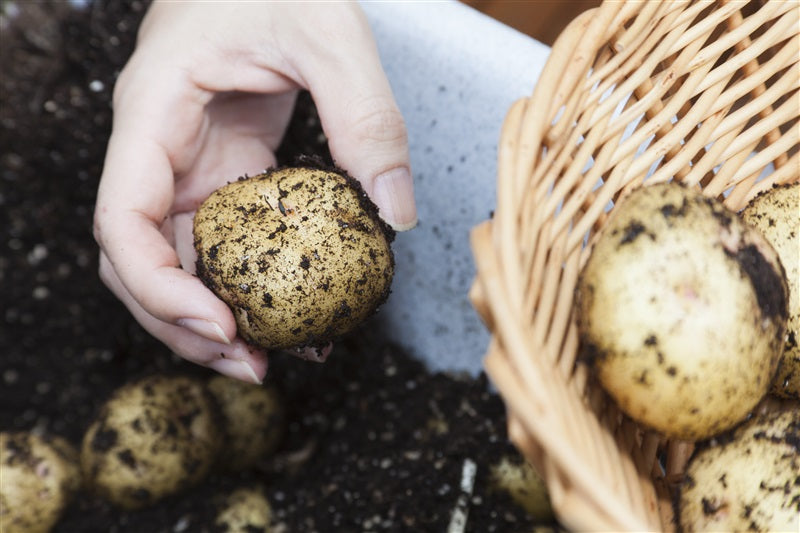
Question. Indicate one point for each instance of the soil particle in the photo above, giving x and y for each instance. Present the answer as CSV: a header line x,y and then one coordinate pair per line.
x,y
767,283
104,440
632,230
127,458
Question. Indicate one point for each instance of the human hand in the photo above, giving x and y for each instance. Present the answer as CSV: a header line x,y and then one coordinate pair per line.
x,y
206,97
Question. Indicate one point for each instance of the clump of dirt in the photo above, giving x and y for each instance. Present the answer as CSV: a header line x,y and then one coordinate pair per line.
x,y
374,441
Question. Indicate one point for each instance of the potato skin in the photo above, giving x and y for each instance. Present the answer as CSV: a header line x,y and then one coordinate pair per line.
x,y
682,309
299,254
524,484
39,476
154,437
776,214
253,421
245,510
749,480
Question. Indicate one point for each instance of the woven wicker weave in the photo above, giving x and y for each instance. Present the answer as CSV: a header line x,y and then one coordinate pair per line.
x,y
702,92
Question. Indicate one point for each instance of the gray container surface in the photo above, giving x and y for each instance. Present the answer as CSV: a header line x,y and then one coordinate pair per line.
x,y
454,72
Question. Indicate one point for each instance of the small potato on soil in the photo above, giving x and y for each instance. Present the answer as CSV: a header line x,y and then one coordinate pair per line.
x,y
253,421
748,480
776,214
39,475
523,483
682,310
245,510
299,254
154,437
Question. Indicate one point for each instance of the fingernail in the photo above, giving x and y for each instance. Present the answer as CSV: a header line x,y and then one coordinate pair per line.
x,y
236,369
394,196
205,328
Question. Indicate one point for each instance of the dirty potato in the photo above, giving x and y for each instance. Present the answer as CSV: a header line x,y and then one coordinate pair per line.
x,y
244,510
39,476
776,214
253,419
682,311
522,482
299,254
748,480
154,437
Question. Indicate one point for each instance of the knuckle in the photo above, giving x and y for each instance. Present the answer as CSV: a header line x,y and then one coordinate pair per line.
x,y
100,226
97,228
104,271
379,121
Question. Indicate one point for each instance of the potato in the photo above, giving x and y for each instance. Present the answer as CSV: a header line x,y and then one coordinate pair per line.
x,y
523,483
747,481
253,419
682,309
39,476
299,254
154,437
246,510
776,214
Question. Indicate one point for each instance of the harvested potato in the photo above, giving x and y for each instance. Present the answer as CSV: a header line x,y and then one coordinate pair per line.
x,y
38,478
299,254
253,419
154,437
682,311
523,483
776,214
747,481
246,510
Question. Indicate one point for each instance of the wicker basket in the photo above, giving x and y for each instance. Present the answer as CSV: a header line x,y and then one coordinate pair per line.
x,y
701,92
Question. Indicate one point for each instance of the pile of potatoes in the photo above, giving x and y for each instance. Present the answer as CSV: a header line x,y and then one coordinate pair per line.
x,y
688,317
153,438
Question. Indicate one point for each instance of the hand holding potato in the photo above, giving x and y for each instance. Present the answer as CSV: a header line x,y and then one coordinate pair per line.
x,y
206,97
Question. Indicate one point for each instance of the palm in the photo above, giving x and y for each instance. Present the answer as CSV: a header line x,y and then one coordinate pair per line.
x,y
236,134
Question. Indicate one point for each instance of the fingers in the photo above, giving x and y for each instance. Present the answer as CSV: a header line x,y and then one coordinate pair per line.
x,y
276,48
160,136
366,131
243,132
191,340
133,199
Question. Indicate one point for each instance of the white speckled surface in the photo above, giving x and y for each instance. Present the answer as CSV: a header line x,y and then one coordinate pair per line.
x,y
455,72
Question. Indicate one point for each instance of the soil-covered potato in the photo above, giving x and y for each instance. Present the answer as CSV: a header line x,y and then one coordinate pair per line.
x,y
253,421
776,214
38,478
245,510
299,254
154,437
748,480
522,482
682,311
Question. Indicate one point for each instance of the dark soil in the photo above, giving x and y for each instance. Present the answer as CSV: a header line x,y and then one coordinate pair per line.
x,y
366,448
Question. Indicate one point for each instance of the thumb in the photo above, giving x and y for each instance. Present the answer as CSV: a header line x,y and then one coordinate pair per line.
x,y
370,143
365,129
